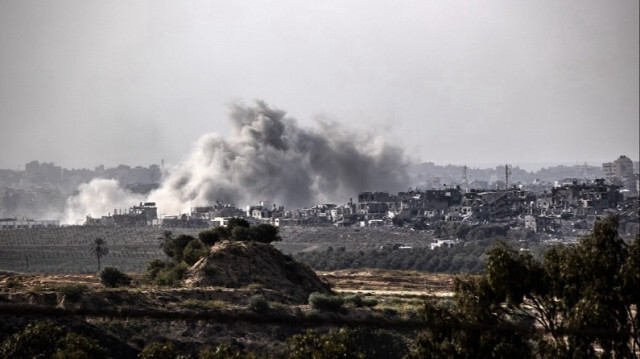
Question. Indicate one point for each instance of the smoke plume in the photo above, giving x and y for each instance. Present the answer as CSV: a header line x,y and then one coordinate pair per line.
x,y
268,157
97,198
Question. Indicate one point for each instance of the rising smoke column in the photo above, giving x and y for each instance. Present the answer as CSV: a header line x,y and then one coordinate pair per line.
x,y
269,157
97,198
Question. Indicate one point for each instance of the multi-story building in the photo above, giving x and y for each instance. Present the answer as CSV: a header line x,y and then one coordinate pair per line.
x,y
618,170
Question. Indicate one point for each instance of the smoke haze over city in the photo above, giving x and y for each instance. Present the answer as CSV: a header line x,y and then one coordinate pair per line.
x,y
95,82
268,157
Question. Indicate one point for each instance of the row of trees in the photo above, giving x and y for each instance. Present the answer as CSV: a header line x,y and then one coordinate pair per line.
x,y
465,257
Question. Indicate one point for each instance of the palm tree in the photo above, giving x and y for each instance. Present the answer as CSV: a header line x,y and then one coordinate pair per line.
x,y
166,236
99,249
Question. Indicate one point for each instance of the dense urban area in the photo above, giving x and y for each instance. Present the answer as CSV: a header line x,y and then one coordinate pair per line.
x,y
559,202
546,266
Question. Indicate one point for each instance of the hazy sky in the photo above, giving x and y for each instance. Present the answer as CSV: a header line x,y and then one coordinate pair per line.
x,y
84,82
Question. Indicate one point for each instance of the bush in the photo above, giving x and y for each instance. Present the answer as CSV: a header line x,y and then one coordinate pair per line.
x,y
73,291
13,283
154,267
326,302
49,340
163,273
199,304
174,247
265,233
159,351
237,222
258,303
210,237
335,344
355,300
389,312
171,275
241,234
113,277
222,351
377,343
194,251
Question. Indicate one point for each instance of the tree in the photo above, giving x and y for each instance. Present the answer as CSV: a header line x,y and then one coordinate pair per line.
x,y
211,236
166,236
585,297
113,277
240,233
99,249
49,340
174,247
335,344
265,233
194,250
237,222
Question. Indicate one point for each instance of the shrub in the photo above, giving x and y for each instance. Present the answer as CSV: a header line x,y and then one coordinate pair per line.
x,y
389,312
237,222
241,234
222,351
174,247
377,343
258,303
326,302
335,344
194,251
165,273
265,233
369,303
159,351
355,300
153,268
13,283
199,304
49,340
113,277
210,237
73,291
171,275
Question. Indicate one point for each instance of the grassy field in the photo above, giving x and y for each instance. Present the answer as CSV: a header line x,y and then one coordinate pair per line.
x,y
68,249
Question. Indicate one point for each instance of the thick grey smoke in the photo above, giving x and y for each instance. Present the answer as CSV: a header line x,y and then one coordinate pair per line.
x,y
97,198
269,157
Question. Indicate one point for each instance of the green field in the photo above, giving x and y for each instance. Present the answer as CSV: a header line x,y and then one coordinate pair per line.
x,y
68,249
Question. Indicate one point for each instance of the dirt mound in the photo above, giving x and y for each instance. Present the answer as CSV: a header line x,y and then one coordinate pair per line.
x,y
238,264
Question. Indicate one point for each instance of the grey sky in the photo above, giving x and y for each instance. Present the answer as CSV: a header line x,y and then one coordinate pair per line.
x,y
84,83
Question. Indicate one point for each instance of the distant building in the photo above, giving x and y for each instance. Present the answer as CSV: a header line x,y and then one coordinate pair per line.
x,y
14,223
448,243
616,171
583,199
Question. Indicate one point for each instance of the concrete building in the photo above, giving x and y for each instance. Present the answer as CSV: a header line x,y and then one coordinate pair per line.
x,y
14,223
616,171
